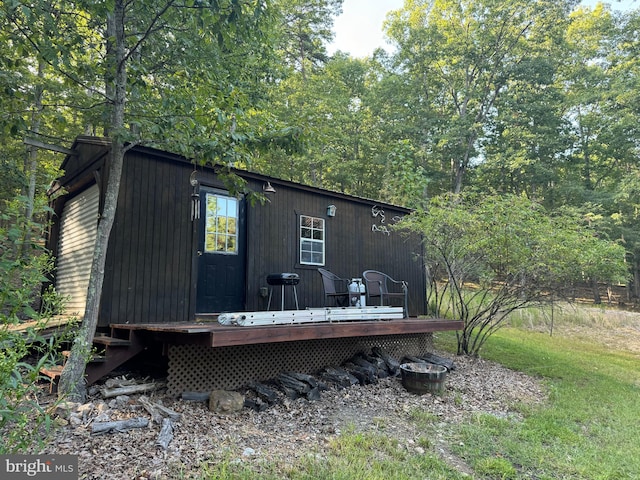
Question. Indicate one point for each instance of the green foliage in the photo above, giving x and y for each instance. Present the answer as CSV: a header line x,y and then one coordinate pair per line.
x,y
332,110
23,422
406,182
469,53
489,256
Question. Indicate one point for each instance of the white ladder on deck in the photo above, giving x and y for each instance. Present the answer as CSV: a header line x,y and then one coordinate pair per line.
x,y
311,315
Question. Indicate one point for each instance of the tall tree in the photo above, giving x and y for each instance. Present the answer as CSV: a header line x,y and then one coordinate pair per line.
x,y
306,27
525,149
624,102
600,78
30,110
461,55
140,49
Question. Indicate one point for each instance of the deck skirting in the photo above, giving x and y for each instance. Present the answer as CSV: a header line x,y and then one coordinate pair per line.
x,y
198,368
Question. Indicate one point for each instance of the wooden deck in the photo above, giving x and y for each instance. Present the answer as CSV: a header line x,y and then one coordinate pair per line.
x,y
215,335
43,326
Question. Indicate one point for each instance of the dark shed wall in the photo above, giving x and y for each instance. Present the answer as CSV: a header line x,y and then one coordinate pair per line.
x,y
351,246
148,271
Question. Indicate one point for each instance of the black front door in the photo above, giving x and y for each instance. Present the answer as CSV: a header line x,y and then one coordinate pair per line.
x,y
221,253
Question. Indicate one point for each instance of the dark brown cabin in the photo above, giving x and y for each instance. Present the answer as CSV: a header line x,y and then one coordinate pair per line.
x,y
182,249
165,264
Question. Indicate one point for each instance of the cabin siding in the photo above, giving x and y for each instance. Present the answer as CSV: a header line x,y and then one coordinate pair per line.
x,y
350,247
148,271
77,237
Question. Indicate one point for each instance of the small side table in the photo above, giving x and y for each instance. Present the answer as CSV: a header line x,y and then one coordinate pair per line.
x,y
283,279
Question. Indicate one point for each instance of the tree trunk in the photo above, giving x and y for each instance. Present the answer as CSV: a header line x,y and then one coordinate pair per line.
x,y
31,164
636,281
596,292
109,74
72,385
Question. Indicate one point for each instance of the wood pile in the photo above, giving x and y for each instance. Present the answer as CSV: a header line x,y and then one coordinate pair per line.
x,y
160,415
364,368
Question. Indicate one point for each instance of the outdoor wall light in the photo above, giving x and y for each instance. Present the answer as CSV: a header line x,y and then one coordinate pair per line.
x,y
331,211
267,189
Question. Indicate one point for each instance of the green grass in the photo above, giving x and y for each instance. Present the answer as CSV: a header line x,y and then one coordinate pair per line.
x,y
352,456
588,428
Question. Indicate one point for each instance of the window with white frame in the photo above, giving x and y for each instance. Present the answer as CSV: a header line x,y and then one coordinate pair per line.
x,y
311,240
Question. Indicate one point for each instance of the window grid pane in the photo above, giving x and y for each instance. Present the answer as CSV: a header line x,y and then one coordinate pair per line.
x,y
311,240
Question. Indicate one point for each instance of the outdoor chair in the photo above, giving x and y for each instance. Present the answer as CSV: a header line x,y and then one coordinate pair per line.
x,y
382,289
336,289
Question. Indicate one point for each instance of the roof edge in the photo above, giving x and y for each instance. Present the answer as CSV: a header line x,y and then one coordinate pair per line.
x,y
171,156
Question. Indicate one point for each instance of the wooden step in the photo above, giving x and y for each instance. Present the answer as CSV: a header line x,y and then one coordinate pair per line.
x,y
53,372
96,357
111,341
116,352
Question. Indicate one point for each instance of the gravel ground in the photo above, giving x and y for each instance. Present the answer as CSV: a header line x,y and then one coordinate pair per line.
x,y
287,430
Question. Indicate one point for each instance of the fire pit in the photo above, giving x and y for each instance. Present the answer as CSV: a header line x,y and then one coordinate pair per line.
x,y
423,377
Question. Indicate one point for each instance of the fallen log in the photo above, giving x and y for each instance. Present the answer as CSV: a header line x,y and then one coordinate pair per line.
x,y
119,382
131,389
255,404
166,434
264,392
290,393
302,388
195,396
379,363
301,377
98,428
361,376
314,394
157,411
365,364
438,360
310,379
340,377
412,359
393,365
366,375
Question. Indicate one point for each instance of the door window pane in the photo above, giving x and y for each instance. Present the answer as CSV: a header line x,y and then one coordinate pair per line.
x,y
221,224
